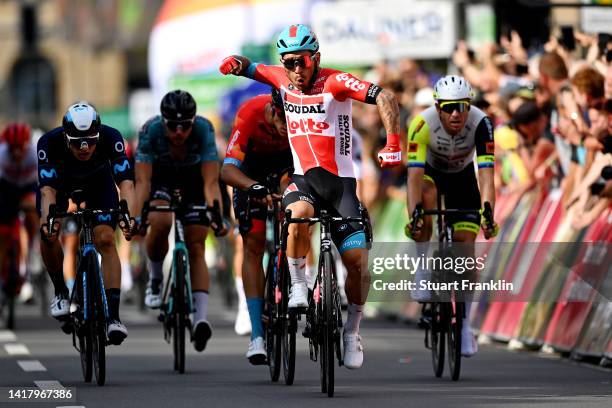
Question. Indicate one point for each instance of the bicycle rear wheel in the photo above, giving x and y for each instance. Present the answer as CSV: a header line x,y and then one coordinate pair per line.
x,y
179,312
455,325
98,319
437,337
271,315
289,327
328,323
85,349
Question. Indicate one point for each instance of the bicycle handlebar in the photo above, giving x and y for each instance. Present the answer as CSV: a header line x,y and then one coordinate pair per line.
x,y
212,214
54,214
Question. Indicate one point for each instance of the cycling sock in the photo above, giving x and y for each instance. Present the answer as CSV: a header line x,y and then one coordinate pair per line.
x,y
240,291
355,312
468,306
156,270
113,296
59,285
297,269
126,276
255,306
200,300
70,285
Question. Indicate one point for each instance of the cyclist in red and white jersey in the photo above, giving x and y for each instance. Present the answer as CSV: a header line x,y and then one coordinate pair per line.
x,y
317,103
18,179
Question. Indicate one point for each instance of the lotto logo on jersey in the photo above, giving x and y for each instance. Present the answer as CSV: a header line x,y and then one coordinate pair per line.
x,y
304,126
350,82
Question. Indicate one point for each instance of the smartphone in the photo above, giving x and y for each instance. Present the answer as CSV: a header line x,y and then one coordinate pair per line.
x,y
567,39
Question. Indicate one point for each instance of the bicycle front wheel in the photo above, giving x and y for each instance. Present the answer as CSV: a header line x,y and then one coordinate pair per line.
x,y
437,337
271,316
179,312
329,324
289,325
455,325
97,326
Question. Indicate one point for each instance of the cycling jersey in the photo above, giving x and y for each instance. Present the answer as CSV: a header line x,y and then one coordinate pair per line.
x,y
255,145
60,169
97,177
429,142
171,172
258,151
319,122
20,174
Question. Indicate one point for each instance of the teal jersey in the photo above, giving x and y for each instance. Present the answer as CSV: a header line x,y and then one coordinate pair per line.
x,y
154,146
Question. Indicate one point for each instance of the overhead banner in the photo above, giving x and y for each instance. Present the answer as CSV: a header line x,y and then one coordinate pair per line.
x,y
357,32
191,37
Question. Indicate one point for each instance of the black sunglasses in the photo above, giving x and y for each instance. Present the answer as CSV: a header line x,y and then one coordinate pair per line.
x,y
291,63
77,142
450,107
174,124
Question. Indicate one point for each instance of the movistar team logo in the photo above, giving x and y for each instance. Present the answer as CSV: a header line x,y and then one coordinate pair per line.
x,y
48,173
121,168
104,217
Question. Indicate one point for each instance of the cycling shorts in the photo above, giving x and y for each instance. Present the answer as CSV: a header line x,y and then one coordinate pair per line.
x,y
460,192
338,196
193,195
11,196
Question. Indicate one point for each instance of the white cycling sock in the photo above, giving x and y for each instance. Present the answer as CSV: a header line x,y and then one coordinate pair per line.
x,y
156,270
126,276
200,300
355,313
297,270
242,303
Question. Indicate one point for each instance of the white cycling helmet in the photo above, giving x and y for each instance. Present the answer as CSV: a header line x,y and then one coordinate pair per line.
x,y
452,88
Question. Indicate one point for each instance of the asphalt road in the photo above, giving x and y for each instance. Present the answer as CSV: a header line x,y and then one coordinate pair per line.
x,y
397,372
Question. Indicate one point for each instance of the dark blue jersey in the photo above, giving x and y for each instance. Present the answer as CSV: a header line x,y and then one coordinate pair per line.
x,y
60,169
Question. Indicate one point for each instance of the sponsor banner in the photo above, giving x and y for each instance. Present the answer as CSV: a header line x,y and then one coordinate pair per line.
x,y
358,32
577,297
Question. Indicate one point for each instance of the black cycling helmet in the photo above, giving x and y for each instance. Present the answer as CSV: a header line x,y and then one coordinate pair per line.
x,y
81,120
277,99
178,105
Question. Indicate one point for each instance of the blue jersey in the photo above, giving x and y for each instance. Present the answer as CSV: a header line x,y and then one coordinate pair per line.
x,y
154,146
60,169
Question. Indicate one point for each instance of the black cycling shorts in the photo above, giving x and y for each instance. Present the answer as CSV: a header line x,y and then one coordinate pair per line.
x,y
337,195
10,200
259,166
99,196
189,196
460,192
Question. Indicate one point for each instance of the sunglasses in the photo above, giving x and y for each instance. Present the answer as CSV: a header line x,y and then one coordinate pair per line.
x,y
77,142
174,124
303,62
459,106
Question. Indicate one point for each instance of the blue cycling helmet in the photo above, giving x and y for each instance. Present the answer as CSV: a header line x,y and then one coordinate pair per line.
x,y
297,37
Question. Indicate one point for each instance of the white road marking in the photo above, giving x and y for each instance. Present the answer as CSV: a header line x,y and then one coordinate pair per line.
x,y
49,385
6,336
16,349
31,365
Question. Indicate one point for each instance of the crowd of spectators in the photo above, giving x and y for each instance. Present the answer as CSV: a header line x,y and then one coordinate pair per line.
x,y
552,109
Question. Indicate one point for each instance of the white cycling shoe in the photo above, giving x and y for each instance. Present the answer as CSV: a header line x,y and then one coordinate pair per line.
x,y
352,350
153,294
60,307
298,296
469,346
117,332
257,351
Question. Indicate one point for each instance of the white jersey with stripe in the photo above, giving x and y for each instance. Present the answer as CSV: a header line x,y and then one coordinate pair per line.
x,y
20,174
429,142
